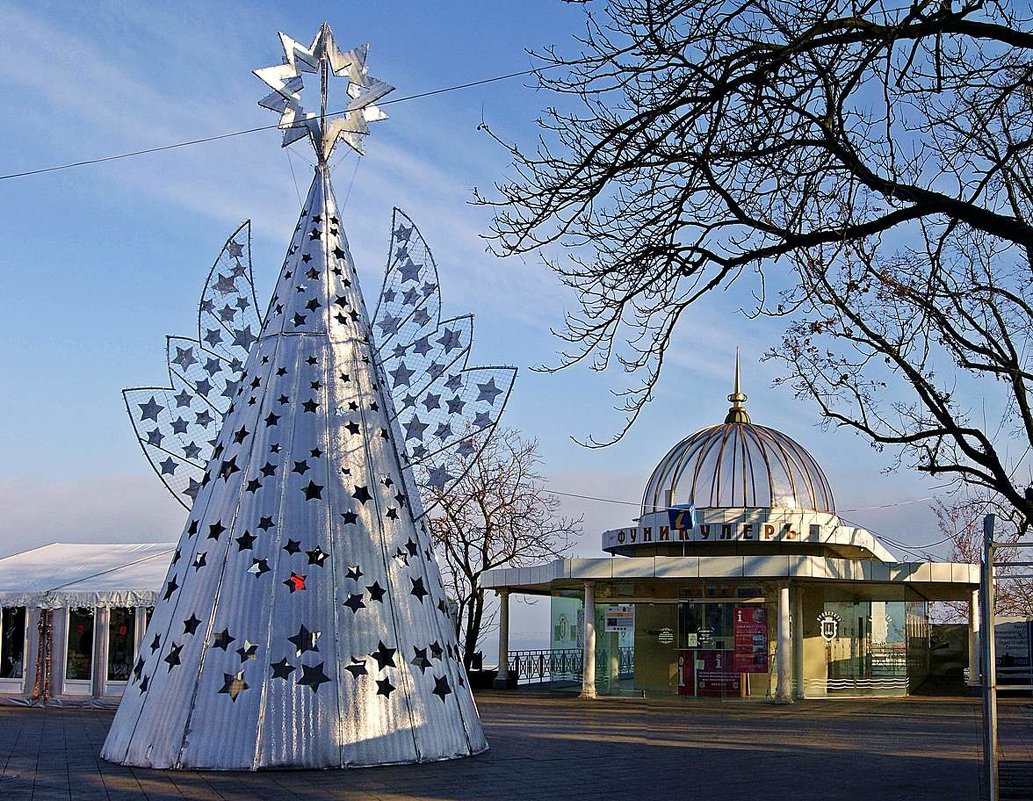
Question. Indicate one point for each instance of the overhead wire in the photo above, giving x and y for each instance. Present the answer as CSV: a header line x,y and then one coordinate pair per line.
x,y
231,134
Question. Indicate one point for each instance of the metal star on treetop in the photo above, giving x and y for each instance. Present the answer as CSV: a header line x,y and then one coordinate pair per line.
x,y
323,59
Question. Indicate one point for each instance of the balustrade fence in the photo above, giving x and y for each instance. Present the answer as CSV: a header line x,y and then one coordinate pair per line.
x,y
547,666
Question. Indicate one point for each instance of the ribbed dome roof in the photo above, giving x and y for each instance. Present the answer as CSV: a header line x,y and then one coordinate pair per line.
x,y
738,464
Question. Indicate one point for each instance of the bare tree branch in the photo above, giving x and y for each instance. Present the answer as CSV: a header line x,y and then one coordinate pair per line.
x,y
868,161
499,514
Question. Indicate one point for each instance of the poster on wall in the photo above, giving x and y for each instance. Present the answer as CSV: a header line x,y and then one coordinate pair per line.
x,y
620,618
1014,648
750,638
716,674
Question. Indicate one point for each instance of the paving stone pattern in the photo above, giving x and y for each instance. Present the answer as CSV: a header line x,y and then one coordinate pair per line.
x,y
557,748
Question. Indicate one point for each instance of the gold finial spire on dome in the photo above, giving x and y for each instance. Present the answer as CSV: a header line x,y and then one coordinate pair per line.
x,y
737,414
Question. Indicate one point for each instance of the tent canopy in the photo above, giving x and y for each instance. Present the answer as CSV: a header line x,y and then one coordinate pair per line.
x,y
72,574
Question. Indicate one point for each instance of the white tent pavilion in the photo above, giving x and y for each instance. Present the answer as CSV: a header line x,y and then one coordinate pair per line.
x,y
72,617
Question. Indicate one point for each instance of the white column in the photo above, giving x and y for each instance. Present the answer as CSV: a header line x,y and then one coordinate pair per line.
x,y
974,644
783,650
797,626
101,622
588,655
59,650
503,677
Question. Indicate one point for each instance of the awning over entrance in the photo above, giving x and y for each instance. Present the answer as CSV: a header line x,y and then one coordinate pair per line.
x,y
935,581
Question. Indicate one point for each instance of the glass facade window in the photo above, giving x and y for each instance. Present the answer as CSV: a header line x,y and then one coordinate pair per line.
x,y
723,648
12,642
121,643
79,663
869,653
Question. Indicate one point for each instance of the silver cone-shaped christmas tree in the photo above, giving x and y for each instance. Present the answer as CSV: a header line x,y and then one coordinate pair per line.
x,y
303,621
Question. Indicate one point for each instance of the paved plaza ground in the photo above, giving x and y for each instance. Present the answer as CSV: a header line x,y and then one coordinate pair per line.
x,y
557,748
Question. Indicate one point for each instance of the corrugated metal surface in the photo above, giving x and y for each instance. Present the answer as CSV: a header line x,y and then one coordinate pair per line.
x,y
303,622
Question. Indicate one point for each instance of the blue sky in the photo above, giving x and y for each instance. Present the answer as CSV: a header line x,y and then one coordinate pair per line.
x,y
100,262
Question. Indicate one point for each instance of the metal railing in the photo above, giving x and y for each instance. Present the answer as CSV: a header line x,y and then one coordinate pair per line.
x,y
546,666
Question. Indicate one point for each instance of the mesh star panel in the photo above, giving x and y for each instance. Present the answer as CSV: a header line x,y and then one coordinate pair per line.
x,y
439,400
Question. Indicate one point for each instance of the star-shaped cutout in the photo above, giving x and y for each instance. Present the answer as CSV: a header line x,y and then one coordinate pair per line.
x,y
172,657
228,468
354,602
385,687
316,556
234,684
281,669
361,494
384,656
418,590
357,668
223,639
420,659
247,651
190,624
304,640
376,592
292,547
312,676
259,567
295,583
313,491
354,573
441,688
349,517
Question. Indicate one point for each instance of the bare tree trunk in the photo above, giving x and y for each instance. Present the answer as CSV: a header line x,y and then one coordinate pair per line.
x,y
473,629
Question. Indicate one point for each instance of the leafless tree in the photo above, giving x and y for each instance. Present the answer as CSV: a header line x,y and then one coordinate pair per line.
x,y
498,514
960,521
864,166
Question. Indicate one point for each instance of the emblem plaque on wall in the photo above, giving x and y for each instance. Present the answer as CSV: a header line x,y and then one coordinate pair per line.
x,y
828,625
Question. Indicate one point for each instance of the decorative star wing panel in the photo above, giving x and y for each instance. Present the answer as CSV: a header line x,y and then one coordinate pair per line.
x,y
440,402
178,438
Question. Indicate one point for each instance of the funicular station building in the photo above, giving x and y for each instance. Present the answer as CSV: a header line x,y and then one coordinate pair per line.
x,y
738,579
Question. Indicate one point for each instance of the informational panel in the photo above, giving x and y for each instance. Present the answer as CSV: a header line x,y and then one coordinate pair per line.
x,y
716,673
1014,650
750,639
620,618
